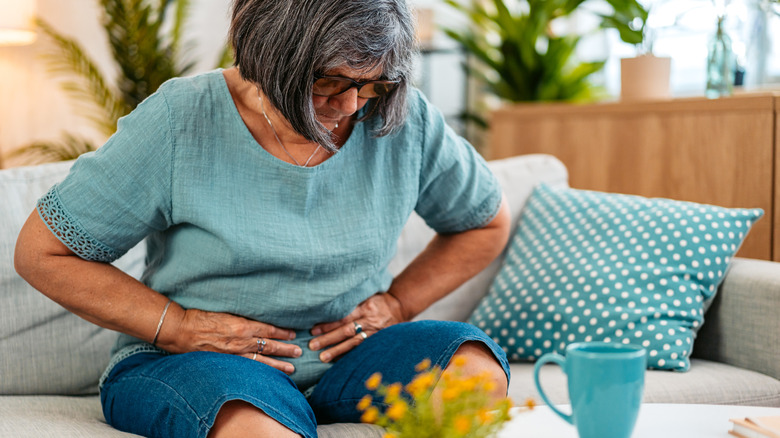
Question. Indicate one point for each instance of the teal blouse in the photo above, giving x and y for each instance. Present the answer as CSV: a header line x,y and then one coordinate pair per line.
x,y
230,228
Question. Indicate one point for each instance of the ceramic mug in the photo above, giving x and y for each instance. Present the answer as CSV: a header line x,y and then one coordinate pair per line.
x,y
606,381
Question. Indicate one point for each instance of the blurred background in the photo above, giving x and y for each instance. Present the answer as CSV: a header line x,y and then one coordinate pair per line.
x,y
36,107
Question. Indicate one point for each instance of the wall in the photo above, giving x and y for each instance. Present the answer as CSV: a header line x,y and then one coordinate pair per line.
x,y
32,105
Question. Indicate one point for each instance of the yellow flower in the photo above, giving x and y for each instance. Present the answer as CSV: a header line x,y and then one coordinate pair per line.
x,y
462,424
485,416
471,383
373,382
370,415
460,360
393,391
390,435
422,366
420,384
450,393
396,411
530,403
364,403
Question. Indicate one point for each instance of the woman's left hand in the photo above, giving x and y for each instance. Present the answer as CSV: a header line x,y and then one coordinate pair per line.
x,y
377,312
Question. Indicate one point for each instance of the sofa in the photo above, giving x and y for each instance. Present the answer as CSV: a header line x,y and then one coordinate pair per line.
x,y
50,360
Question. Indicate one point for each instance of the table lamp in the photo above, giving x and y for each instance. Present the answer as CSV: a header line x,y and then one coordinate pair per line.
x,y
17,22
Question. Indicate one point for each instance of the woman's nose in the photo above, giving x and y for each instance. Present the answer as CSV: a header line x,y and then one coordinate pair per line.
x,y
346,102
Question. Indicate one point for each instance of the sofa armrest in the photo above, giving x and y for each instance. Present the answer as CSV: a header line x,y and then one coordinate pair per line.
x,y
742,327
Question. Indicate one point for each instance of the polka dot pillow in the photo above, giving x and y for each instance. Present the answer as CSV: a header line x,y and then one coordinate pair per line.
x,y
591,266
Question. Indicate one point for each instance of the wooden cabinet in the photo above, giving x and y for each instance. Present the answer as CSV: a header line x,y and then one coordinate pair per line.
x,y
722,152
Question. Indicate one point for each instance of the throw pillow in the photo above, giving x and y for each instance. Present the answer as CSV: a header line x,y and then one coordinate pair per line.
x,y
590,266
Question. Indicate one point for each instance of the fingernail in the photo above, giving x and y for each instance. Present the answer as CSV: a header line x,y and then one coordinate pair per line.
x,y
314,345
325,357
292,336
298,352
316,331
289,369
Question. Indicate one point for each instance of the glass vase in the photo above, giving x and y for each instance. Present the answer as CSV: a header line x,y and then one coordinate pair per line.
x,y
720,64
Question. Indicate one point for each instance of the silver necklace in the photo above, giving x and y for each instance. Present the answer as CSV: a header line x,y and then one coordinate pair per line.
x,y
262,108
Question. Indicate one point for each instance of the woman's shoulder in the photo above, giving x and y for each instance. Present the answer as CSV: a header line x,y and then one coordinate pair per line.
x,y
199,82
422,116
191,90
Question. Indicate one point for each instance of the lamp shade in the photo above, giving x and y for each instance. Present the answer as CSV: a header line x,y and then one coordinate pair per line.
x,y
17,22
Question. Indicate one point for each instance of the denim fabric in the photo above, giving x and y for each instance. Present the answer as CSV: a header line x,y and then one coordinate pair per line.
x,y
394,352
159,395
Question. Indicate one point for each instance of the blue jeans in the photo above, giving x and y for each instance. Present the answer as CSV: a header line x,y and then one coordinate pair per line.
x,y
160,395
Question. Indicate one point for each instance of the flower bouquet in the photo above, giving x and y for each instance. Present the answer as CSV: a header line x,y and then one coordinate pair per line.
x,y
459,406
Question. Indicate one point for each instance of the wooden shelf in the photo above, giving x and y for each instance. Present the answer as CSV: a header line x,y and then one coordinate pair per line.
x,y
714,151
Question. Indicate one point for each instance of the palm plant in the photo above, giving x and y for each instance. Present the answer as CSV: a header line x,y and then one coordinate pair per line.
x,y
146,56
522,59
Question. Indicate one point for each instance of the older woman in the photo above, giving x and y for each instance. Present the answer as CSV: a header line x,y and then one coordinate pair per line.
x,y
271,196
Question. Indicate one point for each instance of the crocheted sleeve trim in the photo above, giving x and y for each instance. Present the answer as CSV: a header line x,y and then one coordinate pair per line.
x,y
70,232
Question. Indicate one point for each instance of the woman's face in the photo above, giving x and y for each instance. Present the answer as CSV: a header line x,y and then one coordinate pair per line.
x,y
332,110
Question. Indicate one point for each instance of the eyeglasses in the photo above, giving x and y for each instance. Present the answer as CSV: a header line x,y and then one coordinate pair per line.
x,y
330,86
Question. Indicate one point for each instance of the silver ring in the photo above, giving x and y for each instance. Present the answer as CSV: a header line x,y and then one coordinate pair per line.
x,y
363,335
260,345
254,356
358,328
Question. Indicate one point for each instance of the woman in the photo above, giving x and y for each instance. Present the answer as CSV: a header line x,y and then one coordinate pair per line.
x,y
271,196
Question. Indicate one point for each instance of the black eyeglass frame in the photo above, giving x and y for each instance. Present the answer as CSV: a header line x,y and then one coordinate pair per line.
x,y
355,84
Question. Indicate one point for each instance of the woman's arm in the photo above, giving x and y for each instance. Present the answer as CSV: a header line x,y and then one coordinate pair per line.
x,y
447,262
106,296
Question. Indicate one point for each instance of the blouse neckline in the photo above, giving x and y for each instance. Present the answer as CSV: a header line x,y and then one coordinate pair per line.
x,y
355,136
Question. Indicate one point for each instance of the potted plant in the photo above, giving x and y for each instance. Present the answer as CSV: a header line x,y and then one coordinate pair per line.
x,y
645,76
521,58
146,42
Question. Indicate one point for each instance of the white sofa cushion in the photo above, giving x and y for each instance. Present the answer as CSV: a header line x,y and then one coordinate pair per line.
x,y
79,417
44,349
518,176
707,382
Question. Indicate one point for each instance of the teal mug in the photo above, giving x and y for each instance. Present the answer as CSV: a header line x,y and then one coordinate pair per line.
x,y
606,381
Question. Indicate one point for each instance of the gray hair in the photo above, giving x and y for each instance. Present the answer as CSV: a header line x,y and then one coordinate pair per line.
x,y
281,44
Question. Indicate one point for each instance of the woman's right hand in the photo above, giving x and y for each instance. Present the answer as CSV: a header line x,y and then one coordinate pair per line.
x,y
198,330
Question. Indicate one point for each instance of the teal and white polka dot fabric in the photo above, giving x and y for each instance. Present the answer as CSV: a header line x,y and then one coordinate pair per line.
x,y
591,266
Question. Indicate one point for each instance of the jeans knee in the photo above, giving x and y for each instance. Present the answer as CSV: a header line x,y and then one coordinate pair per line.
x,y
479,359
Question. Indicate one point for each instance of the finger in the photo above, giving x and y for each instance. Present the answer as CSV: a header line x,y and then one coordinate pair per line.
x,y
280,365
342,348
326,327
335,336
273,348
263,330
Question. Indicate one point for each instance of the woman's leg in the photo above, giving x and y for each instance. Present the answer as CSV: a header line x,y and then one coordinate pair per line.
x,y
479,360
238,418
394,352
188,395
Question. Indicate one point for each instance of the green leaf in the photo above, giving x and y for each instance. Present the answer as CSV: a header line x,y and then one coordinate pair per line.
x,y
530,62
625,14
145,56
43,152
84,82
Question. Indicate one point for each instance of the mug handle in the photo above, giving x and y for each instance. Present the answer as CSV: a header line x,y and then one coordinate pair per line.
x,y
560,360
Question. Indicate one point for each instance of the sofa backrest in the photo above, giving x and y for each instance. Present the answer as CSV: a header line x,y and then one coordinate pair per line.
x,y
44,349
518,176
